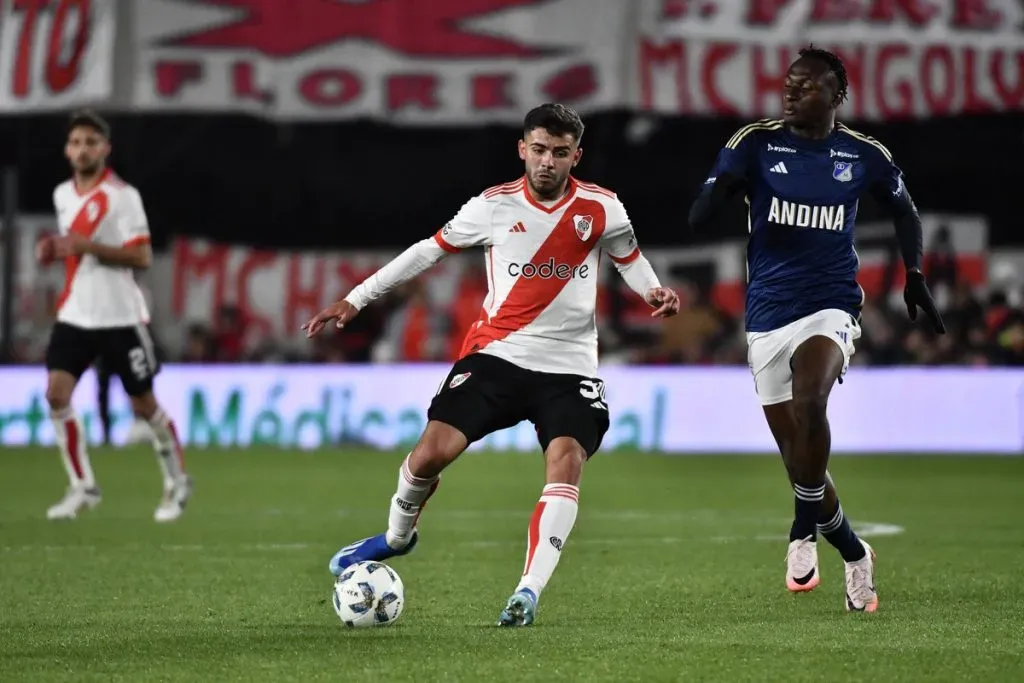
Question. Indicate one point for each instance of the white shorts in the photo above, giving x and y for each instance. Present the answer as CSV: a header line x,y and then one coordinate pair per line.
x,y
769,353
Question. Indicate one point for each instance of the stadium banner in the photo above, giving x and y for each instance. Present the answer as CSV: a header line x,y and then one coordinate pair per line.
x,y
655,409
56,54
479,61
408,61
904,59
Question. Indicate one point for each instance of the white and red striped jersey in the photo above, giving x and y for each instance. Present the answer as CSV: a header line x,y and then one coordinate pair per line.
x,y
542,270
95,295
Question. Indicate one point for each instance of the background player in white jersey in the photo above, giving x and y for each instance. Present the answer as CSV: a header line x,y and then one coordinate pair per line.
x,y
102,315
532,355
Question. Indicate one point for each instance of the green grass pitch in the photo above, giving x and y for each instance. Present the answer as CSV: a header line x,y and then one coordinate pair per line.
x,y
674,572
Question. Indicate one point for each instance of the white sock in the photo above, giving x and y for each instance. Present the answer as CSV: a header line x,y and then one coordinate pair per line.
x,y
552,521
407,503
71,440
168,448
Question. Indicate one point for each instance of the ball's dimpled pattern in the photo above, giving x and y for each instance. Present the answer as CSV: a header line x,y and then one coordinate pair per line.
x,y
368,594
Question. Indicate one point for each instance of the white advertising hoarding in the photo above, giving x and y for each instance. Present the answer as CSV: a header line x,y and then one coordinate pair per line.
x,y
658,409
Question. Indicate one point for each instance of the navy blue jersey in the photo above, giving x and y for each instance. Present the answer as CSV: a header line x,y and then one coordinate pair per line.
x,y
803,196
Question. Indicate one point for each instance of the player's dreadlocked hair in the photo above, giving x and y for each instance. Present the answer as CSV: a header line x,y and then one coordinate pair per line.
x,y
834,64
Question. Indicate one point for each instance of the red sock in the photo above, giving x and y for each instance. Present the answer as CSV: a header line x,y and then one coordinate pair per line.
x,y
70,439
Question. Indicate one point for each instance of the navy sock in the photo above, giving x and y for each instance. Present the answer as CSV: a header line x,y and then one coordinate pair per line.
x,y
808,504
836,529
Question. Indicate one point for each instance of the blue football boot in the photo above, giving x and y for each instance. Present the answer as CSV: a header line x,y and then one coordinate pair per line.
x,y
520,610
372,549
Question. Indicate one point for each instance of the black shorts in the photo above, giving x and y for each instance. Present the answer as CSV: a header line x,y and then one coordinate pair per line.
x,y
484,394
127,352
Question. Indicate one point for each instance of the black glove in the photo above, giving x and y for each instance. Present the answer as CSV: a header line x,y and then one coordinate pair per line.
x,y
915,294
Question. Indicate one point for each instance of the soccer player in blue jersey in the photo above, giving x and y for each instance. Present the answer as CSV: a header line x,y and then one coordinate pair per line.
x,y
802,177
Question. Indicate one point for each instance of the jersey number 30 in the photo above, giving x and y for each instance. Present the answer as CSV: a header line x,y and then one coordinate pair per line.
x,y
593,390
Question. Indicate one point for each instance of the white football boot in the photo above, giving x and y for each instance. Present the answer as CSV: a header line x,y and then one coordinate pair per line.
x,y
860,583
76,499
172,505
802,566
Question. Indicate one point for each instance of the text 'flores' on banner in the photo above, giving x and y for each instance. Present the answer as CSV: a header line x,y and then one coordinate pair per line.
x,y
406,60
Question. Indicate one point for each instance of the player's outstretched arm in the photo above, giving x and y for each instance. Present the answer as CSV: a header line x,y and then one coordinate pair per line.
x,y
407,265
907,222
663,300
471,227
635,269
641,278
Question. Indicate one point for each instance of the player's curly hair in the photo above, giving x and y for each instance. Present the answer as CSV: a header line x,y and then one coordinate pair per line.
x,y
834,64
557,119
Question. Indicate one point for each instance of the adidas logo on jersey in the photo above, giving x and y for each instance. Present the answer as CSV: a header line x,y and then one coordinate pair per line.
x,y
518,227
779,168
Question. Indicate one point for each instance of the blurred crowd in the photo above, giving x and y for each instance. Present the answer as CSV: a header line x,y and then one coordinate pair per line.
x,y
408,326
413,324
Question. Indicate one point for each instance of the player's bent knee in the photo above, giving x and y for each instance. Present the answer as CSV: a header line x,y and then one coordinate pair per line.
x,y
439,446
810,406
144,405
59,387
57,399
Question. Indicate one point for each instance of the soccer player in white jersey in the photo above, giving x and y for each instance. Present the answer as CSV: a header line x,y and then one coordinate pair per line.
x,y
532,355
101,314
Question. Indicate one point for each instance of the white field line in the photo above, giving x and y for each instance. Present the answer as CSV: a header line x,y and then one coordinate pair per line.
x,y
865,529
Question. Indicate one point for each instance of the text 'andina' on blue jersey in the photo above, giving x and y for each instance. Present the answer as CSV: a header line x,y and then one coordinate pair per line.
x,y
803,197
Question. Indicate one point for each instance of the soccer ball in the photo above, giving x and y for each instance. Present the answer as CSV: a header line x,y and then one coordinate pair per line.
x,y
368,594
